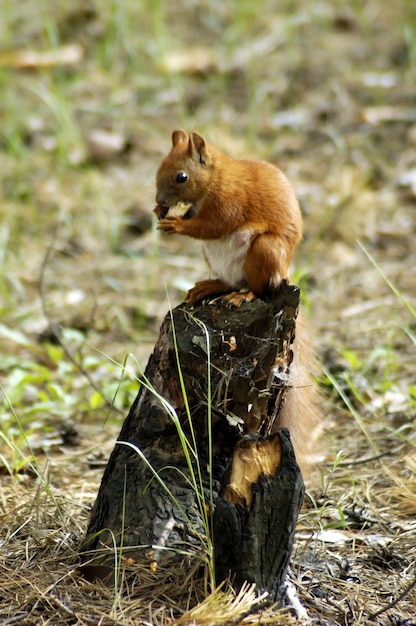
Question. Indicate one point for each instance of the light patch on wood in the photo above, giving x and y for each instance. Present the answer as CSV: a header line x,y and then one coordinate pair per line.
x,y
252,457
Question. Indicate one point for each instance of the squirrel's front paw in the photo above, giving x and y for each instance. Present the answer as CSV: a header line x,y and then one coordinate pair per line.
x,y
171,224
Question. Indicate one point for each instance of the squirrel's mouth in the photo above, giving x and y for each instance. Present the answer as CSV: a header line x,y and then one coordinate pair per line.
x,y
183,210
160,211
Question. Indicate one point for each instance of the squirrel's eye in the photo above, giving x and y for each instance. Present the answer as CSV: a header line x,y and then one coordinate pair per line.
x,y
182,177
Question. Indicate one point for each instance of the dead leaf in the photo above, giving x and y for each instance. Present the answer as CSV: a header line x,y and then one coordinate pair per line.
x,y
379,115
408,180
70,54
103,145
190,61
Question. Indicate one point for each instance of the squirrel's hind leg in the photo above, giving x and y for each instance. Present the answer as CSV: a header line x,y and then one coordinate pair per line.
x,y
267,263
205,289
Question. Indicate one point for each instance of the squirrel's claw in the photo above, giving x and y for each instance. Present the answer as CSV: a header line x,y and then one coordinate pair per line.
x,y
170,225
237,298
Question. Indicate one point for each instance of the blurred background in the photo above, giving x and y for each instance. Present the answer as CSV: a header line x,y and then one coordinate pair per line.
x,y
90,92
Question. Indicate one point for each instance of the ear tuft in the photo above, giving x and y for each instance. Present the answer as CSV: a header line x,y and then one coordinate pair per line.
x,y
179,136
197,144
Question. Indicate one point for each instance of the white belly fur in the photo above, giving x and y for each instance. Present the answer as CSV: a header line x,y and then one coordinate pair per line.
x,y
226,257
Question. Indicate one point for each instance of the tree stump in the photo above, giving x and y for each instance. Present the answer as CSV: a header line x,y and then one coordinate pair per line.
x,y
198,461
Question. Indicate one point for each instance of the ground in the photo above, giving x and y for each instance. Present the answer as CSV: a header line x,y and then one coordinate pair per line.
x,y
90,94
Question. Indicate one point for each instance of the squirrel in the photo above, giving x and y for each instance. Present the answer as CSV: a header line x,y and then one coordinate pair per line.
x,y
247,215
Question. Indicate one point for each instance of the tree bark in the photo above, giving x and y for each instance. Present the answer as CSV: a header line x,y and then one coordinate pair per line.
x,y
218,375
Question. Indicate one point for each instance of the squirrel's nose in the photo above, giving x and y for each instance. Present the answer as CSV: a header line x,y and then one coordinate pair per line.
x,y
160,199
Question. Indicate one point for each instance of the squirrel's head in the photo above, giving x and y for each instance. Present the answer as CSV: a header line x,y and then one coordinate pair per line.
x,y
185,173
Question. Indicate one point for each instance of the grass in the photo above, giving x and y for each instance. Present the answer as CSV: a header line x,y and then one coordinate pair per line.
x,y
103,284
194,475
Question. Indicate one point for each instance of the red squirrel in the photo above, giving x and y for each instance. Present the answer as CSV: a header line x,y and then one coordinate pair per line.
x,y
249,220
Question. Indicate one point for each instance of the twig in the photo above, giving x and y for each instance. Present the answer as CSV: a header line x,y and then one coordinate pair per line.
x,y
394,602
61,606
16,619
369,459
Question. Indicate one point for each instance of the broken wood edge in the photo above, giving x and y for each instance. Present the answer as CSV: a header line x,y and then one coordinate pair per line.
x,y
254,455
254,545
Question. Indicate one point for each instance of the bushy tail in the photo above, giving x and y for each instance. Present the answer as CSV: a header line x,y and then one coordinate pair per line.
x,y
301,413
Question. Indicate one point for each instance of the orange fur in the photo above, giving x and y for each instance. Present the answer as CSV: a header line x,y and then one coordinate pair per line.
x,y
244,209
247,215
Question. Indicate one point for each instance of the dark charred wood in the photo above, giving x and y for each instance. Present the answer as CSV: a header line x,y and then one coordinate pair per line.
x,y
234,364
254,544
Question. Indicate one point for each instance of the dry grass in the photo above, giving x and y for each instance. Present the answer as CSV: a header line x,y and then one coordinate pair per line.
x,y
327,91
42,582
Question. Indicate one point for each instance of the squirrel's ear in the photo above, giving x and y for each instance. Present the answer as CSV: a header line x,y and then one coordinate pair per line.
x,y
197,142
179,136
